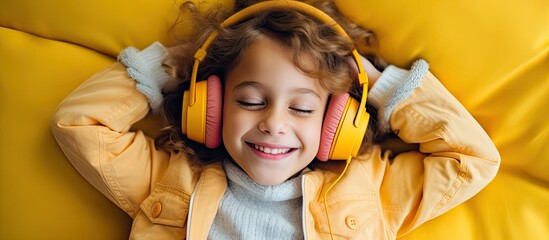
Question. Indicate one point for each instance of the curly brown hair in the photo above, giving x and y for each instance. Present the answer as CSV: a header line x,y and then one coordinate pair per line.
x,y
305,36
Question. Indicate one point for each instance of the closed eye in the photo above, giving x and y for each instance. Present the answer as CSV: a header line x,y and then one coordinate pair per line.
x,y
302,112
251,105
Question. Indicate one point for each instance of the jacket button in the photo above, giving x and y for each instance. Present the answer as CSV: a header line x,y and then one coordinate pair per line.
x,y
156,209
352,222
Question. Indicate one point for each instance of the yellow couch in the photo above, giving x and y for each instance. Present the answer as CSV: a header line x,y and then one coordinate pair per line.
x,y
492,55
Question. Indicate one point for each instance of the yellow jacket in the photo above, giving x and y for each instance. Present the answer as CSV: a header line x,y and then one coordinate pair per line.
x,y
378,197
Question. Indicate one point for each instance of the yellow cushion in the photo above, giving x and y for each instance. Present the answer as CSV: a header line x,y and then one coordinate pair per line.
x,y
42,196
492,55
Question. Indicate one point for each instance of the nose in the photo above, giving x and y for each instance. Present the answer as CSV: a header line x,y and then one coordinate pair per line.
x,y
274,122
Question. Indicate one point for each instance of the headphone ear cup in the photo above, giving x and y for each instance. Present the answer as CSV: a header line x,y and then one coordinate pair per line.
x,y
341,138
201,122
214,106
334,114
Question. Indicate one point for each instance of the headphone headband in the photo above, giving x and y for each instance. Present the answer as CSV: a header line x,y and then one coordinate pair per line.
x,y
279,4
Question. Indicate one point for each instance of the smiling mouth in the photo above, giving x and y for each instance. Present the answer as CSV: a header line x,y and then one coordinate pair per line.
x,y
270,150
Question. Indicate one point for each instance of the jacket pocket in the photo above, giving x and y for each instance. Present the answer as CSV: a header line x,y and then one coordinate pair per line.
x,y
352,216
167,206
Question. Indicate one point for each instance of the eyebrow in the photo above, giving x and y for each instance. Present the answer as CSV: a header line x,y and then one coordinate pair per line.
x,y
246,84
258,86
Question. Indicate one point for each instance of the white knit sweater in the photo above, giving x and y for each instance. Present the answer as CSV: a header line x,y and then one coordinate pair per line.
x,y
252,211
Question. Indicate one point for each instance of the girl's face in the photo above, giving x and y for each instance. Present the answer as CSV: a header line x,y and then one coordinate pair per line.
x,y
272,113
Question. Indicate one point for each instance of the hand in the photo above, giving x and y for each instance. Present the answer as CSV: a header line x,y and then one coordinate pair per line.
x,y
170,67
372,73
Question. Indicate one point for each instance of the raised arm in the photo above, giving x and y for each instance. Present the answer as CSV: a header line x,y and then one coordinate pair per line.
x,y
456,158
92,128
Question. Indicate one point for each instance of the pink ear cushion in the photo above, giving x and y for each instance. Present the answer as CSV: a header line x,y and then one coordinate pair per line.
x,y
335,111
213,112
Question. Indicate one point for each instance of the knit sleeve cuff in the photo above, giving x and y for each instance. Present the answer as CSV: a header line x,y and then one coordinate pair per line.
x,y
394,86
389,80
145,67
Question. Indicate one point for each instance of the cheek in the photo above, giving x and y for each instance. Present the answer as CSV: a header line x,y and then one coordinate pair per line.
x,y
234,123
310,134
228,123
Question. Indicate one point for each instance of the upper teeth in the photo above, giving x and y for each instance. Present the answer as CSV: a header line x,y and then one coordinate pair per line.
x,y
271,150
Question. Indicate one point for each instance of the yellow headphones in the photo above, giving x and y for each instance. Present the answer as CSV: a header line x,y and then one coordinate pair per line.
x,y
345,121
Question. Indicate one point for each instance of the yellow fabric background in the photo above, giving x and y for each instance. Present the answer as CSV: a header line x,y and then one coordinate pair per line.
x,y
492,55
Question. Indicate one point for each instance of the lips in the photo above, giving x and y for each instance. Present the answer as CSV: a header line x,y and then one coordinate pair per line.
x,y
270,151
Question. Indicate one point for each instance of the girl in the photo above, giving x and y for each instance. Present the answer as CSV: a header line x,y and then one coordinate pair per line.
x,y
277,70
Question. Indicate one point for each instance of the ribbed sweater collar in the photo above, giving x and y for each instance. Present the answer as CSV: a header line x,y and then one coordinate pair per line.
x,y
245,186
